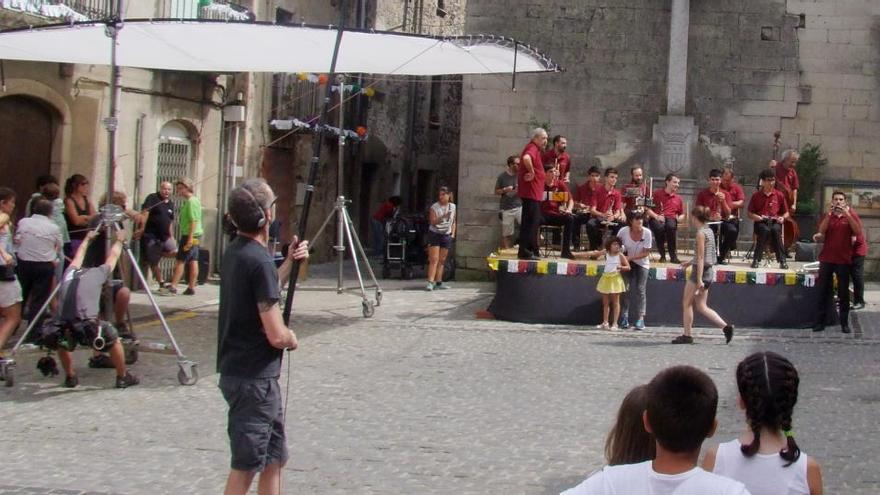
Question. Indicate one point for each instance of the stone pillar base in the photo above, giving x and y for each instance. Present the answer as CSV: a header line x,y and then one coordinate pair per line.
x,y
675,141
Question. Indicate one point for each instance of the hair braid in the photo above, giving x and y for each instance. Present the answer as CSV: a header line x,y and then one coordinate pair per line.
x,y
751,392
786,400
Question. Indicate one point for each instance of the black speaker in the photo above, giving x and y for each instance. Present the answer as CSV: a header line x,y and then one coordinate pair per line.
x,y
806,251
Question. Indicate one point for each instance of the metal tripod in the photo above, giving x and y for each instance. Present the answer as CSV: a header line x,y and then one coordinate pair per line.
x,y
188,371
345,231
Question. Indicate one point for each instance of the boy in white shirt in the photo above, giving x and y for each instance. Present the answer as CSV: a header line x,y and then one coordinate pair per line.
x,y
682,402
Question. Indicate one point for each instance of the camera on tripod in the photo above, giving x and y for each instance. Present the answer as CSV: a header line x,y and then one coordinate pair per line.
x,y
111,214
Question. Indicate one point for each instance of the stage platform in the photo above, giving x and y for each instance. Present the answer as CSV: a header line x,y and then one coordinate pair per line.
x,y
562,291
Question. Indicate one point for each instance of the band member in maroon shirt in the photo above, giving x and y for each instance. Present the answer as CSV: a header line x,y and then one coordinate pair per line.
x,y
664,218
530,186
860,250
837,229
769,210
608,212
736,200
584,206
787,178
637,187
558,157
717,200
557,210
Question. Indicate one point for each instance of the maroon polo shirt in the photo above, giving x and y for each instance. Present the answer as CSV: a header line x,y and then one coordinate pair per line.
x,y
585,194
772,205
708,199
736,194
564,161
552,207
786,178
630,203
533,190
668,205
838,246
608,200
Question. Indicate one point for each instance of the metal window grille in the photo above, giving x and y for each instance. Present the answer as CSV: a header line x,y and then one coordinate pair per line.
x,y
204,9
174,162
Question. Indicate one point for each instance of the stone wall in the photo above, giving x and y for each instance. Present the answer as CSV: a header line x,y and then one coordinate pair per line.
x,y
807,68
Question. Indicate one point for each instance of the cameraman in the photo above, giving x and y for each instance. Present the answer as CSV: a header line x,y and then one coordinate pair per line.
x,y
769,210
251,337
77,318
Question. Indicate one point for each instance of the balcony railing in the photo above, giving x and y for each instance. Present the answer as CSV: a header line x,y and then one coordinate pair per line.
x,y
76,10
82,10
204,9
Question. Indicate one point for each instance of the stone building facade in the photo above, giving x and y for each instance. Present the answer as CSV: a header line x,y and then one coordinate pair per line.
x,y
806,68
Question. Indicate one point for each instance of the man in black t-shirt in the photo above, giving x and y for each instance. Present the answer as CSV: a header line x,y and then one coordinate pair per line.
x,y
157,238
251,337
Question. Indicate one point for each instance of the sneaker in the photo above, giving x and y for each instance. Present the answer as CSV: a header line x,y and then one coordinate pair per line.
x,y
189,291
640,324
602,326
71,381
857,306
126,380
614,328
101,361
430,286
819,327
624,322
728,333
124,332
683,339
441,285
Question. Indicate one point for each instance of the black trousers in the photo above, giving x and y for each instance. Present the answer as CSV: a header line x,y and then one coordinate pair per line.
x,y
567,223
35,278
726,234
582,219
665,232
528,229
825,286
858,279
766,231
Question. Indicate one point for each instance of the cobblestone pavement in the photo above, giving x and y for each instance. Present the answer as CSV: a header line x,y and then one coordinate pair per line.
x,y
422,398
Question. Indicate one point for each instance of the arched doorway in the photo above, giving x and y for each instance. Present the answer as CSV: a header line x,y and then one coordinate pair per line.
x,y
27,132
174,161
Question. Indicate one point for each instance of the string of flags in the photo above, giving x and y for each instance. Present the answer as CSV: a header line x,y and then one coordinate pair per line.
x,y
322,79
359,134
662,273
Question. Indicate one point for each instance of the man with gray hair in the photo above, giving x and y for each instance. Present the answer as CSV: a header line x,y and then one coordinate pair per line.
x,y
530,187
251,338
787,177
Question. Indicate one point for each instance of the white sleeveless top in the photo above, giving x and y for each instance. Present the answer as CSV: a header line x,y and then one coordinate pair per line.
x,y
612,263
763,474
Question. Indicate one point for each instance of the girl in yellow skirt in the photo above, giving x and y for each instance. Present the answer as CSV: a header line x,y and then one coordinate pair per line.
x,y
611,285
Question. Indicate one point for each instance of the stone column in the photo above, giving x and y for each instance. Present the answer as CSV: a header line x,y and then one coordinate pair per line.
x,y
678,54
675,135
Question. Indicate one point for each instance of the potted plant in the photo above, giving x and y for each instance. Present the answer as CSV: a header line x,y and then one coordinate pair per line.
x,y
809,168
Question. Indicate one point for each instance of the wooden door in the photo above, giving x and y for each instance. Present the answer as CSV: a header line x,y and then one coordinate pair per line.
x,y
26,133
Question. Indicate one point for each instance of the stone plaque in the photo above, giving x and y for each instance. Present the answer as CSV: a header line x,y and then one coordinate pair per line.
x,y
674,140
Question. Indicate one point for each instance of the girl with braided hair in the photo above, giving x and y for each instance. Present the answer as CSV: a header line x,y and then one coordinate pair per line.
x,y
766,457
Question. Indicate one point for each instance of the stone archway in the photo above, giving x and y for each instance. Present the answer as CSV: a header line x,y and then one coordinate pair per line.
x,y
28,134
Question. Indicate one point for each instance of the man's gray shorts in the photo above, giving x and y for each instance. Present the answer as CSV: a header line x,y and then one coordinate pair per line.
x,y
256,423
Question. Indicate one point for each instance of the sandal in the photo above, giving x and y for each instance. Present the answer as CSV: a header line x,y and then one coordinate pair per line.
x,y
683,339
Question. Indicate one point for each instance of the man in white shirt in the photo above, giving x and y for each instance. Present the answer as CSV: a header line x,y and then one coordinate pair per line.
x,y
682,402
38,242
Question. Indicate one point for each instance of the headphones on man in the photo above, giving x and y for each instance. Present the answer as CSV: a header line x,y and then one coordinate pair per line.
x,y
255,219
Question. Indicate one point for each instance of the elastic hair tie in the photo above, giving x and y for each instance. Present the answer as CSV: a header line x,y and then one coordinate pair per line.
x,y
788,433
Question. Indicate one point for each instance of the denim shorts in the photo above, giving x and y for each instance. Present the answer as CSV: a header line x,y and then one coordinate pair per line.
x,y
256,422
192,254
437,239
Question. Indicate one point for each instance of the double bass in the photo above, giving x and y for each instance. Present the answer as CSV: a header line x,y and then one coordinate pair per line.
x,y
790,230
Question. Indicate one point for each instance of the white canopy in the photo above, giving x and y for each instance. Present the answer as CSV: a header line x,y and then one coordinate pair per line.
x,y
211,46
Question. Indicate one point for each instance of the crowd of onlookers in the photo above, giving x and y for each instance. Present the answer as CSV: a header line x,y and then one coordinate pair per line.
x,y
655,444
36,251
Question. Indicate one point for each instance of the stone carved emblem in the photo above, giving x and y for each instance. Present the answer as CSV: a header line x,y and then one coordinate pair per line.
x,y
674,153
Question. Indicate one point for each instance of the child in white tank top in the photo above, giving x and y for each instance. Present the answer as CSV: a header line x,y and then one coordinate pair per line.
x,y
766,458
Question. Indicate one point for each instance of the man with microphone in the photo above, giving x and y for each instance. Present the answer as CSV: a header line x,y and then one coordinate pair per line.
x,y
251,338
